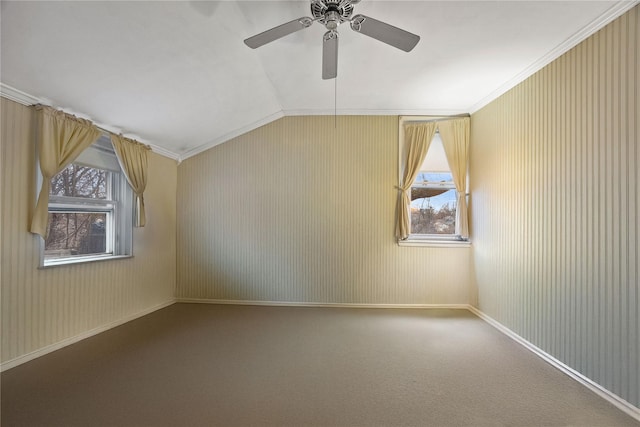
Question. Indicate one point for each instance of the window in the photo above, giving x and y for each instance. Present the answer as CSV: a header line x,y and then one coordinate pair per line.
x,y
90,209
433,208
433,195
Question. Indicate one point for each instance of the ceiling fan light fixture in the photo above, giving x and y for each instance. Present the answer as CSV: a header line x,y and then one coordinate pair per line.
x,y
332,19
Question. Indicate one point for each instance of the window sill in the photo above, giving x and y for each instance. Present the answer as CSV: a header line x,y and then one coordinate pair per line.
x,y
435,242
81,260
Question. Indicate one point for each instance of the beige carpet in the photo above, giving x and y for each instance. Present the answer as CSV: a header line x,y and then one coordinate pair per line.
x,y
207,365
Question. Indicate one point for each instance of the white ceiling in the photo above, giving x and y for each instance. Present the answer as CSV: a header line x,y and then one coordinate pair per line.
x,y
177,75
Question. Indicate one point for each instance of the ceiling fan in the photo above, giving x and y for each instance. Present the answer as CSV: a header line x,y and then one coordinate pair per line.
x,y
332,13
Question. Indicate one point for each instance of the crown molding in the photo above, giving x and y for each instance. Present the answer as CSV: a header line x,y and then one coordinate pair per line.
x,y
24,98
164,152
229,136
18,96
615,11
372,112
310,112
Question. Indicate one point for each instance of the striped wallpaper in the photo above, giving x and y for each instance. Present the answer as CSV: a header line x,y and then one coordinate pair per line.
x,y
43,307
302,210
556,208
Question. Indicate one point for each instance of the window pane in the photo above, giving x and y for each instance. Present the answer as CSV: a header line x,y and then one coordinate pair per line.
x,y
80,181
436,159
435,214
432,177
73,233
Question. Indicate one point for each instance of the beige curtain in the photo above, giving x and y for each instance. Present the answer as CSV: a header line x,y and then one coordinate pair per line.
x,y
417,140
455,140
133,159
61,138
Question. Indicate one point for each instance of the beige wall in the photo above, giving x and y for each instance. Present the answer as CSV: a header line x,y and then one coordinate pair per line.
x,y
42,308
556,207
302,211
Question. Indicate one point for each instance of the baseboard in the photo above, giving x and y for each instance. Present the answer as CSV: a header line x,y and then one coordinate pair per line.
x,y
317,304
12,363
610,397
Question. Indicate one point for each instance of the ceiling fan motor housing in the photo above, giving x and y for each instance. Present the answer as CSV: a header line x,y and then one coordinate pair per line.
x,y
332,13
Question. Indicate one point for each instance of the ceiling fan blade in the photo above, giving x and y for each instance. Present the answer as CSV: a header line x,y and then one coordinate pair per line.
x,y
384,32
330,55
278,32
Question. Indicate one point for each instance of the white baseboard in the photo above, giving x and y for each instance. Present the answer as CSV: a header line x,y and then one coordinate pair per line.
x,y
316,304
610,397
12,363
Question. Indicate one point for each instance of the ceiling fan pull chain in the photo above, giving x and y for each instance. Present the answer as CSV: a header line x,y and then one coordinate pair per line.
x,y
335,103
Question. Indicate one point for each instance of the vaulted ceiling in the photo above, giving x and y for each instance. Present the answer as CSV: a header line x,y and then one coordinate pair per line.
x,y
177,75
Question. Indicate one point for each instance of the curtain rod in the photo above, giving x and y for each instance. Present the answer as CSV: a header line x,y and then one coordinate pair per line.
x,y
100,128
442,119
108,132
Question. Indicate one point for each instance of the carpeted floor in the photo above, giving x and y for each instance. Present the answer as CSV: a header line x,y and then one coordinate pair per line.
x,y
208,365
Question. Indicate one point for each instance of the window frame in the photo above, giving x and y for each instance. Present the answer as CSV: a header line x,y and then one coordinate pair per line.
x,y
426,240
118,207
